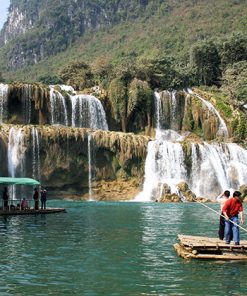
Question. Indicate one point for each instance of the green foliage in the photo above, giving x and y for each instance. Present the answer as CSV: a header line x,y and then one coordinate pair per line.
x,y
159,72
118,98
241,131
239,126
139,95
224,108
234,49
235,81
78,75
147,40
205,60
102,71
49,79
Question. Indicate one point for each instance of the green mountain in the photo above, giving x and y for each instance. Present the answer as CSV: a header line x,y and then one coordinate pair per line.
x,y
169,43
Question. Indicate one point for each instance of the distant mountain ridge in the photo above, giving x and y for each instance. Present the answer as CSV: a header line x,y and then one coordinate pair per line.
x,y
41,34
42,28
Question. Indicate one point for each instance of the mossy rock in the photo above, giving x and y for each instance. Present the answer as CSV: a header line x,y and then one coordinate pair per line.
x,y
172,197
183,186
243,190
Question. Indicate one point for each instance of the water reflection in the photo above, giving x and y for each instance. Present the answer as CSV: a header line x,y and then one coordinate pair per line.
x,y
112,249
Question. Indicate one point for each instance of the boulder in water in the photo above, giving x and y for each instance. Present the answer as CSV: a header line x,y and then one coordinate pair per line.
x,y
183,186
185,192
243,190
172,197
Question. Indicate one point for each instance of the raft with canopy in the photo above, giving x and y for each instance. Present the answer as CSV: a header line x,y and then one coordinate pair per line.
x,y
16,210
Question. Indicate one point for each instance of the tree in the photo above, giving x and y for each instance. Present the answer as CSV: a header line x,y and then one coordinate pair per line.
x,y
139,99
234,50
49,79
77,74
118,99
205,60
101,69
235,81
158,72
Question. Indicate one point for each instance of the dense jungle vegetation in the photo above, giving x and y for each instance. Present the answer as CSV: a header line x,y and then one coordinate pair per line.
x,y
132,47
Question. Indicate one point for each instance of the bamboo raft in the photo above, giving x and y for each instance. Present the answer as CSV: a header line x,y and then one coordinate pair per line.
x,y
31,211
199,247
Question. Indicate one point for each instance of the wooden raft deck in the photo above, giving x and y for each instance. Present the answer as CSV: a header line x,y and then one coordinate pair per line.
x,y
32,211
199,247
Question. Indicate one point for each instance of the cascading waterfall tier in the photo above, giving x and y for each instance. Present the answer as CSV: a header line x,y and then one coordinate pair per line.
x,y
59,114
16,155
87,111
222,128
3,101
56,105
36,154
26,103
208,169
16,152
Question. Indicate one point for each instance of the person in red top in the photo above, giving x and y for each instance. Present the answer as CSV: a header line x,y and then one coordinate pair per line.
x,y
231,209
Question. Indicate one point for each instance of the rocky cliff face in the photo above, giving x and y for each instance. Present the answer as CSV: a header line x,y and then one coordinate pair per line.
x,y
44,28
60,158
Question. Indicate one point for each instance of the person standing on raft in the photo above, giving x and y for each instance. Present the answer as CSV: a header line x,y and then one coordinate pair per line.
x,y
232,207
36,199
5,199
221,199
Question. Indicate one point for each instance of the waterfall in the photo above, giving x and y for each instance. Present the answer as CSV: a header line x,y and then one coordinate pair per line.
x,y
216,167
16,154
26,103
59,114
67,88
89,168
157,107
36,154
3,101
208,169
87,111
222,129
16,151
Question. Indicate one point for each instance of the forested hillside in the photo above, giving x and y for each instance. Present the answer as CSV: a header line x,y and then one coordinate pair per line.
x,y
167,43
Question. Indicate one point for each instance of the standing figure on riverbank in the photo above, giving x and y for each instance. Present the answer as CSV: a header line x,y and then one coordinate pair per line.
x,y
222,198
36,199
232,207
5,198
43,199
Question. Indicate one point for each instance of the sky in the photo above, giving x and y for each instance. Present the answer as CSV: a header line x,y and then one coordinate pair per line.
x,y
4,4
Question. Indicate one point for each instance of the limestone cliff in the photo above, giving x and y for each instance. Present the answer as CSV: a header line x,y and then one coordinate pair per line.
x,y
59,157
51,26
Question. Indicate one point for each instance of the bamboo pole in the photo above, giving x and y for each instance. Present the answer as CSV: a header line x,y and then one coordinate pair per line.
x,y
241,227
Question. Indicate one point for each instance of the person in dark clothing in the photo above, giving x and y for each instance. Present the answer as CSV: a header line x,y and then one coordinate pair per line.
x,y
36,199
222,199
43,199
5,198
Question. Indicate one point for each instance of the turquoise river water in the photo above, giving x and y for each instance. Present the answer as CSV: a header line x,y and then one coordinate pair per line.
x,y
100,248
